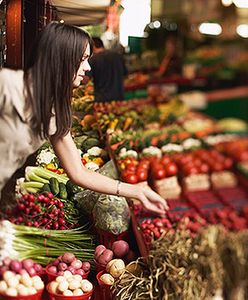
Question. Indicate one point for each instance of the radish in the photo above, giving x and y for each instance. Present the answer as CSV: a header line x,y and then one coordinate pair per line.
x,y
15,266
68,257
27,263
120,248
86,266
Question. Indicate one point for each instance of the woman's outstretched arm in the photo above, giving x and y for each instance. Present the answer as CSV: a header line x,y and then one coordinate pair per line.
x,y
70,158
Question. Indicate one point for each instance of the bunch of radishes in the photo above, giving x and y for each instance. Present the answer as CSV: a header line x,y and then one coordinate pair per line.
x,y
20,267
103,255
70,285
42,211
68,262
20,285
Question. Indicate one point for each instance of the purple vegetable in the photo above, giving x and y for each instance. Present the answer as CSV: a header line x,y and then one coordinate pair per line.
x,y
76,264
60,273
62,266
3,269
38,268
27,263
52,269
80,272
68,257
15,266
6,261
86,266
71,269
31,272
56,262
23,271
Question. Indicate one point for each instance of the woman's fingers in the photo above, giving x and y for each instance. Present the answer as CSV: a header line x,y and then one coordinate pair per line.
x,y
156,198
152,207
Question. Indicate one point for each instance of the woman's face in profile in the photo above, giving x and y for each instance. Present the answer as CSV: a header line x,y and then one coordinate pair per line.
x,y
84,67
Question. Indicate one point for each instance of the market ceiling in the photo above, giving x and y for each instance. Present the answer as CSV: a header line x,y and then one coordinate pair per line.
x,y
81,12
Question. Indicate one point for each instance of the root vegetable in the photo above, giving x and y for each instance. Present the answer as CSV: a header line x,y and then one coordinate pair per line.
x,y
80,272
71,269
117,267
52,287
68,257
120,248
27,263
78,292
67,274
60,279
77,277
62,266
11,292
22,290
8,274
76,264
32,290
63,286
3,286
15,266
38,285
98,251
52,269
105,257
12,282
86,266
86,286
68,293
107,279
74,284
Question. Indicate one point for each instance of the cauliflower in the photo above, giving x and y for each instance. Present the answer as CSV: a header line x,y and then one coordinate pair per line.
x,y
91,166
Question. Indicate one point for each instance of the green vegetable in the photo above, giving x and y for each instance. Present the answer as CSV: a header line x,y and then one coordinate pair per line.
x,y
28,186
43,175
72,189
54,185
45,188
89,143
62,191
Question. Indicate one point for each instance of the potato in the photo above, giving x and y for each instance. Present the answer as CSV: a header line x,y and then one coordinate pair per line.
x,y
117,267
120,248
107,279
105,257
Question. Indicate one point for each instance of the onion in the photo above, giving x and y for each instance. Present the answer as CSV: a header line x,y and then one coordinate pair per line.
x,y
76,264
86,286
52,269
27,263
3,269
60,273
78,292
3,286
62,266
86,266
8,274
71,269
38,268
68,257
63,286
6,261
80,272
56,262
31,271
23,271
15,266
74,284
11,292
68,293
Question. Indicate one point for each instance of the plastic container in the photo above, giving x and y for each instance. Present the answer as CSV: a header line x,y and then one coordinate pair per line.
x,y
52,276
37,296
104,289
85,296
99,267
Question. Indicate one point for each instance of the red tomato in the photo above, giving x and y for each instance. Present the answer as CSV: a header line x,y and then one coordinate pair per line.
x,y
144,164
228,163
130,178
189,170
165,160
158,173
131,167
197,162
217,166
204,168
171,169
142,174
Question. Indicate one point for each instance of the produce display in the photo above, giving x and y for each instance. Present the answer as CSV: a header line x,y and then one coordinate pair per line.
x,y
198,165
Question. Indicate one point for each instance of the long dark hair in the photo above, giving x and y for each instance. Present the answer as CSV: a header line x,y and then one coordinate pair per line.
x,y
49,74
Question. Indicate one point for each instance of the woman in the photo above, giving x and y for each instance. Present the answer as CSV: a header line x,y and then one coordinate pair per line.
x,y
36,105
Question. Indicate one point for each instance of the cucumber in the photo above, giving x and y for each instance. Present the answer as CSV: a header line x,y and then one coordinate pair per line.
x,y
45,188
54,185
62,191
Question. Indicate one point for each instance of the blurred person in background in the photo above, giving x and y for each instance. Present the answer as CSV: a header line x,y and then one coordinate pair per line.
x,y
107,71
171,64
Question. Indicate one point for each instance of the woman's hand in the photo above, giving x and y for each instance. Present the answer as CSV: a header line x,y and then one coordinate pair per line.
x,y
151,200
